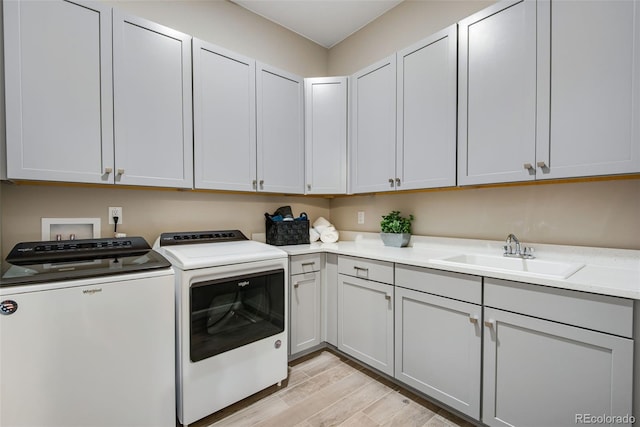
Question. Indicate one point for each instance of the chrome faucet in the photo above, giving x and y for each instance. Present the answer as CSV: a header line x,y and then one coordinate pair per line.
x,y
515,251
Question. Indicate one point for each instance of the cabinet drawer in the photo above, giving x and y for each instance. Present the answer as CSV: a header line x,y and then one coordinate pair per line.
x,y
602,313
299,264
379,271
463,287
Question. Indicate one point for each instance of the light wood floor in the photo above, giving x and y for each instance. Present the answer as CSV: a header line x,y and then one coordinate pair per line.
x,y
326,389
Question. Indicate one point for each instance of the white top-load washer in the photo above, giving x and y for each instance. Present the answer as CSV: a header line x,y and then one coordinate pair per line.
x,y
87,335
231,318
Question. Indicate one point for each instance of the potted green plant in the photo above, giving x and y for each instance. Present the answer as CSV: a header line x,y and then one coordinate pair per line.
x,y
396,229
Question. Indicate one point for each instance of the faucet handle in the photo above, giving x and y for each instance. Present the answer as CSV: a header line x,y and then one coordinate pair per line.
x,y
528,252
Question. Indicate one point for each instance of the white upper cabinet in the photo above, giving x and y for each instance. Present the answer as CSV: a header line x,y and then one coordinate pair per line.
x,y
590,67
59,114
426,109
403,118
549,89
224,116
326,135
373,127
152,104
497,94
280,131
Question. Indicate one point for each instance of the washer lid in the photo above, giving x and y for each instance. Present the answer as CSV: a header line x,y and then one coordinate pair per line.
x,y
54,261
189,257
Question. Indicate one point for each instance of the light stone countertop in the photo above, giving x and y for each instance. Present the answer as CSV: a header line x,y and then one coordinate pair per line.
x,y
613,272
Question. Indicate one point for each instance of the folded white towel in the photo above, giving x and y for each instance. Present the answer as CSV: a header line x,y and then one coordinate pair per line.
x,y
329,235
313,235
321,228
321,222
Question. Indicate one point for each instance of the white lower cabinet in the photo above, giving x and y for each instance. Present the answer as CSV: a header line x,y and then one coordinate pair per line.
x,y
305,302
539,372
438,339
365,314
329,326
503,353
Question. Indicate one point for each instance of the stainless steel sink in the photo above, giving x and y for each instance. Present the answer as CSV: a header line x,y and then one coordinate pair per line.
x,y
529,267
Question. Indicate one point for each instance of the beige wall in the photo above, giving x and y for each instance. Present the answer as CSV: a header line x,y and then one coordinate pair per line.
x,y
146,213
404,25
232,27
602,214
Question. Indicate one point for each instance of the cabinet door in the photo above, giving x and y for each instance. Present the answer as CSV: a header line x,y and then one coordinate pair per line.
x,y
365,321
305,311
438,348
593,60
224,119
58,87
280,131
426,138
152,104
373,127
497,94
326,135
329,328
541,373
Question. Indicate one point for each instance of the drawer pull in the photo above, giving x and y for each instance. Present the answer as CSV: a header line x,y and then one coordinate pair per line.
x,y
473,318
295,285
308,263
490,323
355,267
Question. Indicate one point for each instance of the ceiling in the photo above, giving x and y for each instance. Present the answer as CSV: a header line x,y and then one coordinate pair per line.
x,y
325,22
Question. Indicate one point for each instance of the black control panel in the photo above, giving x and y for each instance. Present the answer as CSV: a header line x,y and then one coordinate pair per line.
x,y
52,261
190,237
30,252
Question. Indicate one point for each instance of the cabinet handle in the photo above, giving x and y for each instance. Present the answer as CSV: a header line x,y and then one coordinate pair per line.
x,y
541,164
308,186
262,184
308,263
528,166
295,285
107,171
255,184
355,267
397,182
120,171
391,181
490,323
473,318
387,297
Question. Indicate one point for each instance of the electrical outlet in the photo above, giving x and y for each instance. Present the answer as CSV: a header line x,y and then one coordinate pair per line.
x,y
360,217
115,212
